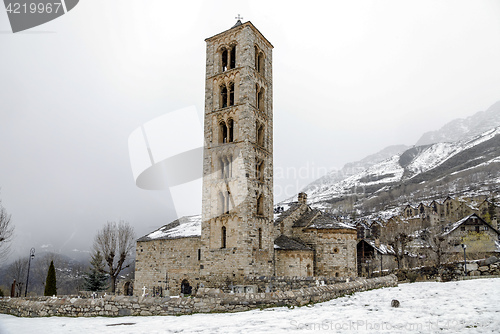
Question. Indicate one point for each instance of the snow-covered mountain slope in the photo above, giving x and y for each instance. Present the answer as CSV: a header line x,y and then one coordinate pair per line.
x,y
460,129
418,165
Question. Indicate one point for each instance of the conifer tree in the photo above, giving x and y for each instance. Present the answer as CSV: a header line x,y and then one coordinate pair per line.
x,y
50,282
95,279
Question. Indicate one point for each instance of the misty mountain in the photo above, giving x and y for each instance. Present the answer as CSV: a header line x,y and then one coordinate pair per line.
x,y
356,167
468,166
460,129
462,157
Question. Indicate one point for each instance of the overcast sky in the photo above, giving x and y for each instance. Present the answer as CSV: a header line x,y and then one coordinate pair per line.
x,y
350,78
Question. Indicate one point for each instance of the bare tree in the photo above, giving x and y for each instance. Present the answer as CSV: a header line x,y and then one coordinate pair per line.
x,y
17,271
6,232
116,242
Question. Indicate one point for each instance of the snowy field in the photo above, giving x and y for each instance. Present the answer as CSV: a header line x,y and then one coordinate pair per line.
x,y
455,307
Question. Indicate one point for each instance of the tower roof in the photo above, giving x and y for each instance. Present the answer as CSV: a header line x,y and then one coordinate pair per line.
x,y
240,25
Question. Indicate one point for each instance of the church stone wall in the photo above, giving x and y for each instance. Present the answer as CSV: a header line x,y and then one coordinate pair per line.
x,y
166,263
299,263
335,251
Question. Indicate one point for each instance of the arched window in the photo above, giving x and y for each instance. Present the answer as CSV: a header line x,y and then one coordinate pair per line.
x,y
256,57
221,203
232,59
260,238
222,167
260,99
231,94
260,135
230,128
223,237
260,205
222,133
224,60
259,170
228,202
260,63
223,96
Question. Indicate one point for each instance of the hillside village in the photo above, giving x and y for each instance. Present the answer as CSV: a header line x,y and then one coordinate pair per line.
x,y
429,233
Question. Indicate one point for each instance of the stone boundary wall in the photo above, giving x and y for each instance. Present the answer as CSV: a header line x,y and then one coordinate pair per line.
x,y
286,283
453,271
205,301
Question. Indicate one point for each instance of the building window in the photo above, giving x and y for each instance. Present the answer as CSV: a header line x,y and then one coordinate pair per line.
x,y
224,58
199,254
226,165
260,97
228,58
260,205
232,60
227,95
222,203
223,237
230,129
222,133
260,135
259,170
260,238
223,96
231,94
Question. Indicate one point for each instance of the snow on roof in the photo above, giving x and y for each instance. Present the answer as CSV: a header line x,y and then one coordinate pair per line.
x,y
183,227
381,248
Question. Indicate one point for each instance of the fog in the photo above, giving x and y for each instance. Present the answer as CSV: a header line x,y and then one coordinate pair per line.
x,y
349,79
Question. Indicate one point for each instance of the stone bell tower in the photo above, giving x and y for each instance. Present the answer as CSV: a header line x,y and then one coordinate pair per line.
x,y
237,207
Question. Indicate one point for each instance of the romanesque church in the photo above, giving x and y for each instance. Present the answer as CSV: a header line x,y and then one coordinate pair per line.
x,y
238,235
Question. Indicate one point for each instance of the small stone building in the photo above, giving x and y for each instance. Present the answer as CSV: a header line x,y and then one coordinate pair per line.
x,y
481,238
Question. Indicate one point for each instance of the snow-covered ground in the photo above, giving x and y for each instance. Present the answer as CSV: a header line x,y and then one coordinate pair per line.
x,y
455,307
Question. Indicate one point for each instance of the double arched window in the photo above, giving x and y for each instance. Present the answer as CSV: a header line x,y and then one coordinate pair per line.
x,y
228,58
226,167
226,95
224,202
226,131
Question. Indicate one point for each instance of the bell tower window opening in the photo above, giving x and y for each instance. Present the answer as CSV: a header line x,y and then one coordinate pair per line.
x,y
259,170
260,99
260,205
231,94
232,58
221,203
223,96
224,60
260,238
260,135
223,237
260,63
230,128
228,202
222,167
222,133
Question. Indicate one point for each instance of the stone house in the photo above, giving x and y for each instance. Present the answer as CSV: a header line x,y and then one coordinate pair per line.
x,y
480,237
374,256
237,236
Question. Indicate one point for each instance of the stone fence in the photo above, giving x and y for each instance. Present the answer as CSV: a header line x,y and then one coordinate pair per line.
x,y
205,301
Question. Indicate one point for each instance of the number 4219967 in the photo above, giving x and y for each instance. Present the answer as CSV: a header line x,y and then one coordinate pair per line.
x,y
17,8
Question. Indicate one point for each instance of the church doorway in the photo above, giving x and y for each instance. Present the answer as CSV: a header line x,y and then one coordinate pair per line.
x,y
186,289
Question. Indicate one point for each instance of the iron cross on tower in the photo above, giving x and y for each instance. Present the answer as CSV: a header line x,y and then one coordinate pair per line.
x,y
239,17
